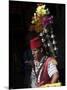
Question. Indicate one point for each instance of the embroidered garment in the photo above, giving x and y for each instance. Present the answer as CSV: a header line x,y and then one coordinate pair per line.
x,y
43,73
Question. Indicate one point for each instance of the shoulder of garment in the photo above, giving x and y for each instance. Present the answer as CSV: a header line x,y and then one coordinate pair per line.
x,y
53,61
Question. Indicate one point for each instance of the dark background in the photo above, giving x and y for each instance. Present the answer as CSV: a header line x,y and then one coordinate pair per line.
x,y
20,14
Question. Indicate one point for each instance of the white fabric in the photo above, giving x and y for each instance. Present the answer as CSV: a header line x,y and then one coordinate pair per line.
x,y
33,77
52,69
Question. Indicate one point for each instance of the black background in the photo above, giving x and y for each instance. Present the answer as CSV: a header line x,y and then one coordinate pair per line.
x,y
20,14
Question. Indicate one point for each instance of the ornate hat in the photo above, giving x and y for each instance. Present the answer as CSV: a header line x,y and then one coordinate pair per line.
x,y
42,22
35,43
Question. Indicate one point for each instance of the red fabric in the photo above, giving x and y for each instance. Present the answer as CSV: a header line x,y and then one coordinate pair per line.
x,y
44,75
35,43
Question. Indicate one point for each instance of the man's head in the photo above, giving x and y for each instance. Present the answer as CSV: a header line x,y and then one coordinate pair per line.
x,y
36,48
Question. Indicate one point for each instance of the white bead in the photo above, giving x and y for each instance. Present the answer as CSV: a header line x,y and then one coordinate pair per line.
x,y
52,36
34,14
43,40
54,42
41,34
48,44
55,48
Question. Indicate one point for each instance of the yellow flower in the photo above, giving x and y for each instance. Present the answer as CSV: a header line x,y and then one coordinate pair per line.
x,y
41,11
37,18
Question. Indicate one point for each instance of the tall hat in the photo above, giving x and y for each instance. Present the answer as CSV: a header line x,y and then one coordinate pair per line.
x,y
42,22
35,43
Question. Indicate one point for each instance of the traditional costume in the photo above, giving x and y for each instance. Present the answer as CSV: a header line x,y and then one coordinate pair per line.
x,y
42,71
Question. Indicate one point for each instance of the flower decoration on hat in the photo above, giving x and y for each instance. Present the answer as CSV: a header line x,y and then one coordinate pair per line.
x,y
42,22
41,18
41,10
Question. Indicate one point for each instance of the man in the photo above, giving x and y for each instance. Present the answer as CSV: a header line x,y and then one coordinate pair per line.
x,y
44,69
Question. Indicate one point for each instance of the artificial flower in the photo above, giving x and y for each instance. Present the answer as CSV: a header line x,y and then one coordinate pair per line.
x,y
41,10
